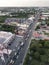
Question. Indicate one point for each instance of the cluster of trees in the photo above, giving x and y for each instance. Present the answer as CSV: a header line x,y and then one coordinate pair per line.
x,y
2,19
46,21
7,28
18,15
38,27
38,53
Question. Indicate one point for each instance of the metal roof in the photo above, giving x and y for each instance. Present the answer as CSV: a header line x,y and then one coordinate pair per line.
x,y
2,40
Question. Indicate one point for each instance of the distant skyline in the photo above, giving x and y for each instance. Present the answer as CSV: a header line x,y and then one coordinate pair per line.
x,y
23,3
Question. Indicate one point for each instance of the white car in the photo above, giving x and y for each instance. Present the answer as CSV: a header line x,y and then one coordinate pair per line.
x,y
22,44
17,57
11,61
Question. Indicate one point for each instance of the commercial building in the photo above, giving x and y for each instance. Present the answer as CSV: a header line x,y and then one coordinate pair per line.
x,y
45,16
8,45
22,24
5,39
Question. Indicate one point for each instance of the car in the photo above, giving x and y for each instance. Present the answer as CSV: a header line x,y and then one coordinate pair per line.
x,y
15,53
10,64
30,30
28,35
9,44
14,58
18,47
22,44
12,61
17,57
20,63
26,38
18,51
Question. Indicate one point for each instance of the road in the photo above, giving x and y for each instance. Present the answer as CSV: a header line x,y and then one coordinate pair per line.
x,y
27,41
14,46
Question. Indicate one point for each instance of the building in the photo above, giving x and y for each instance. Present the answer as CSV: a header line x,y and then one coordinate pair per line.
x,y
22,24
45,16
5,39
45,13
4,13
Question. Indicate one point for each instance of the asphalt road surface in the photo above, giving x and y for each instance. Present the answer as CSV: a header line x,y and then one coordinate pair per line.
x,y
24,49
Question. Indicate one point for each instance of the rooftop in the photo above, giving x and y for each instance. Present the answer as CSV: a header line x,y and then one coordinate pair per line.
x,y
5,37
4,34
22,22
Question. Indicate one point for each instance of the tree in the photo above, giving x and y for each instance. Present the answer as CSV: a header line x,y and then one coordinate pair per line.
x,y
44,58
37,55
34,62
46,44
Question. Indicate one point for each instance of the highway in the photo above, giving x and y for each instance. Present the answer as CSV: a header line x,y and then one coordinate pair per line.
x,y
20,57
27,41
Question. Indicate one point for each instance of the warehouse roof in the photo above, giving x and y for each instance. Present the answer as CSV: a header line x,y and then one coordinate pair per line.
x,y
2,40
5,36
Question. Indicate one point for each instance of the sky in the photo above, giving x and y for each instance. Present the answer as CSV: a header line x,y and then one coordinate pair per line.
x,y
23,3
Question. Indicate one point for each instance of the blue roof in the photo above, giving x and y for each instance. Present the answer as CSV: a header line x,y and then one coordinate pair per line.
x,y
14,20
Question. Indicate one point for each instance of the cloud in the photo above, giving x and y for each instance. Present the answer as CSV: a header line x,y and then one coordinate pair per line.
x,y
19,3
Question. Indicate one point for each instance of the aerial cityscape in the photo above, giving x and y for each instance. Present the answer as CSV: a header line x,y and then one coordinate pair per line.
x,y
24,35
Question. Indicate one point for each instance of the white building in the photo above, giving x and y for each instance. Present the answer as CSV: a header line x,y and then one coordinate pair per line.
x,y
45,16
6,37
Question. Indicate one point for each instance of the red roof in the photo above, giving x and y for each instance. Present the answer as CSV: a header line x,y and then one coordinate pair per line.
x,y
35,34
